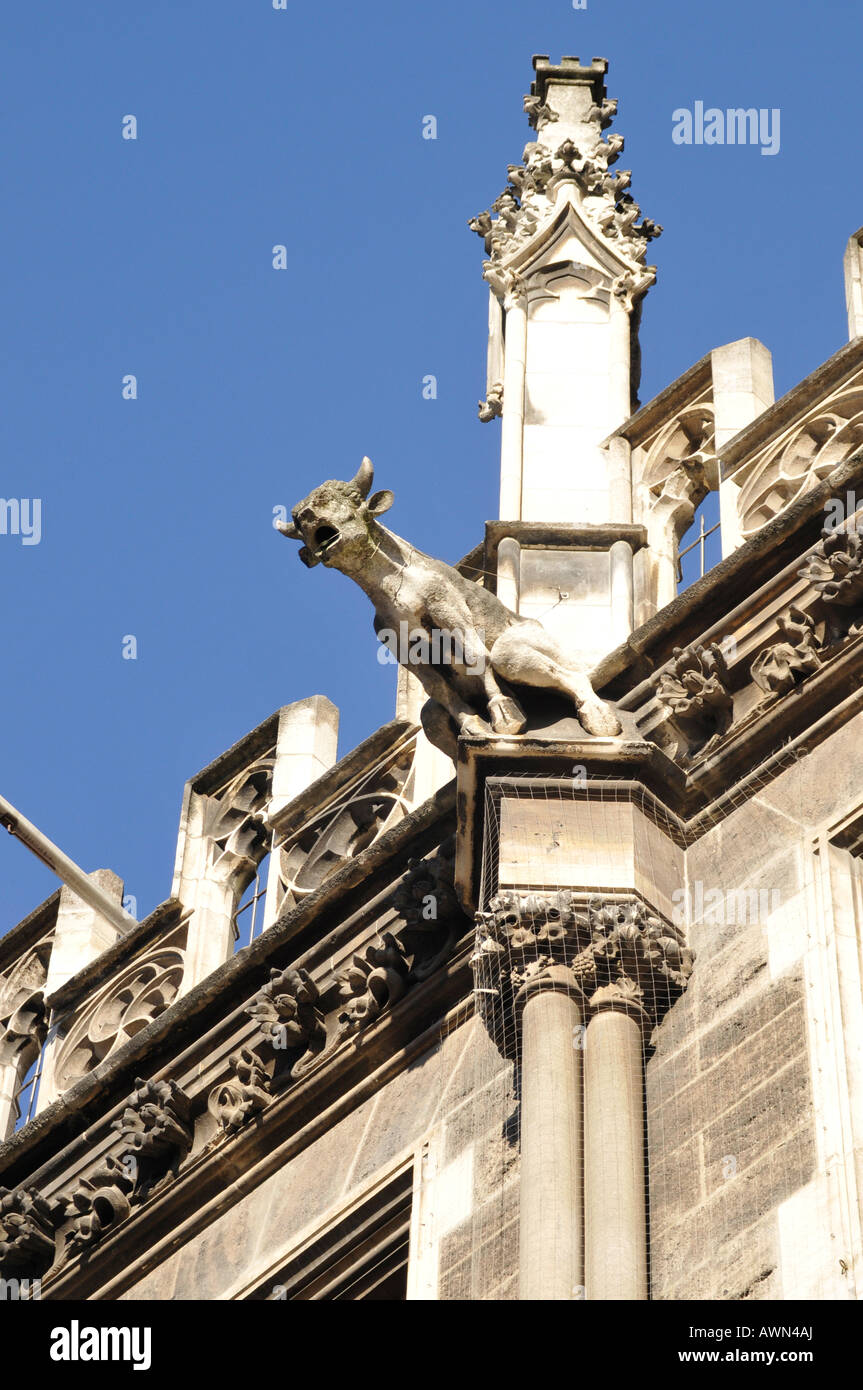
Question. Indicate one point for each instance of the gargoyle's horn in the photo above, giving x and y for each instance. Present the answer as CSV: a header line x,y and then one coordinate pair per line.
x,y
288,529
365,477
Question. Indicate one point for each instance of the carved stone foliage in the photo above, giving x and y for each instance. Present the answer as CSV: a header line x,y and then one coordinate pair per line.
x,y
538,113
156,1122
603,943
835,570
27,1224
491,408
375,980
95,1205
527,204
432,922
303,1021
350,823
126,1004
427,903
696,694
807,452
287,1012
238,1100
784,664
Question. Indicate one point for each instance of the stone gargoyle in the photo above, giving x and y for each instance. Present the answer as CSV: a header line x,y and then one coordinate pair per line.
x,y
470,647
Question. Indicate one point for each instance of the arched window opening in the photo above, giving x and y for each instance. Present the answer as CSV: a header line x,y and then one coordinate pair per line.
x,y
700,548
27,1093
248,920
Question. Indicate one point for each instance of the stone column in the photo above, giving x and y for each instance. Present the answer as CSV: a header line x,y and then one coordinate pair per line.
x,y
853,267
614,1177
8,1087
508,568
551,1236
742,374
512,429
620,565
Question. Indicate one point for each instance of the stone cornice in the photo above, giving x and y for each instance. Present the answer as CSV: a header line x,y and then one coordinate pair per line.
x,y
294,1119
562,534
219,997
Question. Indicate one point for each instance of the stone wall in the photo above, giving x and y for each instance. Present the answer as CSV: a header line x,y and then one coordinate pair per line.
x,y
449,1115
750,1120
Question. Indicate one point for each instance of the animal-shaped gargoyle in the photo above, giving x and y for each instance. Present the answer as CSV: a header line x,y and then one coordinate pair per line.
x,y
460,641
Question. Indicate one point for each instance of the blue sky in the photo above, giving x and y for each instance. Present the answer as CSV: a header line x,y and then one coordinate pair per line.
x,y
154,257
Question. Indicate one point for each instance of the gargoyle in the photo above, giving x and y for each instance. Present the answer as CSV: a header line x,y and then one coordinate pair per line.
x,y
464,646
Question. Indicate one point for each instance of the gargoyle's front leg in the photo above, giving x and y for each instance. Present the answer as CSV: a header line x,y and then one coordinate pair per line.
x,y
435,685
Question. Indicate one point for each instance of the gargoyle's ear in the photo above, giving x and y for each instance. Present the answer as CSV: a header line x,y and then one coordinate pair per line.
x,y
288,529
380,503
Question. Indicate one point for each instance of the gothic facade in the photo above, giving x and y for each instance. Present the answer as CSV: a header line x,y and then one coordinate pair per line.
x,y
532,1011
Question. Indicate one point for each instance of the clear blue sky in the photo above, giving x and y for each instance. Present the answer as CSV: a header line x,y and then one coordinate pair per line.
x,y
153,257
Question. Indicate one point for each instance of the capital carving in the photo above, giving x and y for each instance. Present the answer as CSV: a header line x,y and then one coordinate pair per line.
x,y
616,951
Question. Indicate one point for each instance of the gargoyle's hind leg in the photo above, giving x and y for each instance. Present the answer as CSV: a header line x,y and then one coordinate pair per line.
x,y
528,655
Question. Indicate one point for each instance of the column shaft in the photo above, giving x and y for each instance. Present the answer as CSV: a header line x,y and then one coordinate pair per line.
x,y
615,1214
551,1225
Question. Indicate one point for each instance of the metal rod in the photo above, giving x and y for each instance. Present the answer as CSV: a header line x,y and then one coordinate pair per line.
x,y
65,869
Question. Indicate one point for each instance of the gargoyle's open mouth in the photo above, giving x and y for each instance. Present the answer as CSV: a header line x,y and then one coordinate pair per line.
x,y
325,538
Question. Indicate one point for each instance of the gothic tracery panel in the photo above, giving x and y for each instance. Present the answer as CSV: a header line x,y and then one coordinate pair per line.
x,y
804,454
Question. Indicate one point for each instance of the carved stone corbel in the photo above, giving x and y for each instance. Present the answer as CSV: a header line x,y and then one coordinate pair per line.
x,y
246,1094
287,1013
376,980
27,1225
697,697
835,570
156,1125
96,1204
783,665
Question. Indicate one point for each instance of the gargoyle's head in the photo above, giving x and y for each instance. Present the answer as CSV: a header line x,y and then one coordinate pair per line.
x,y
336,521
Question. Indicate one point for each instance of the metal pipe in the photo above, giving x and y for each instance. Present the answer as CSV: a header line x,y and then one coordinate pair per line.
x,y
65,869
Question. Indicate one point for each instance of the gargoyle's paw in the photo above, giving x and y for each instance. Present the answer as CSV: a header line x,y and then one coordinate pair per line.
x,y
599,719
474,727
507,716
